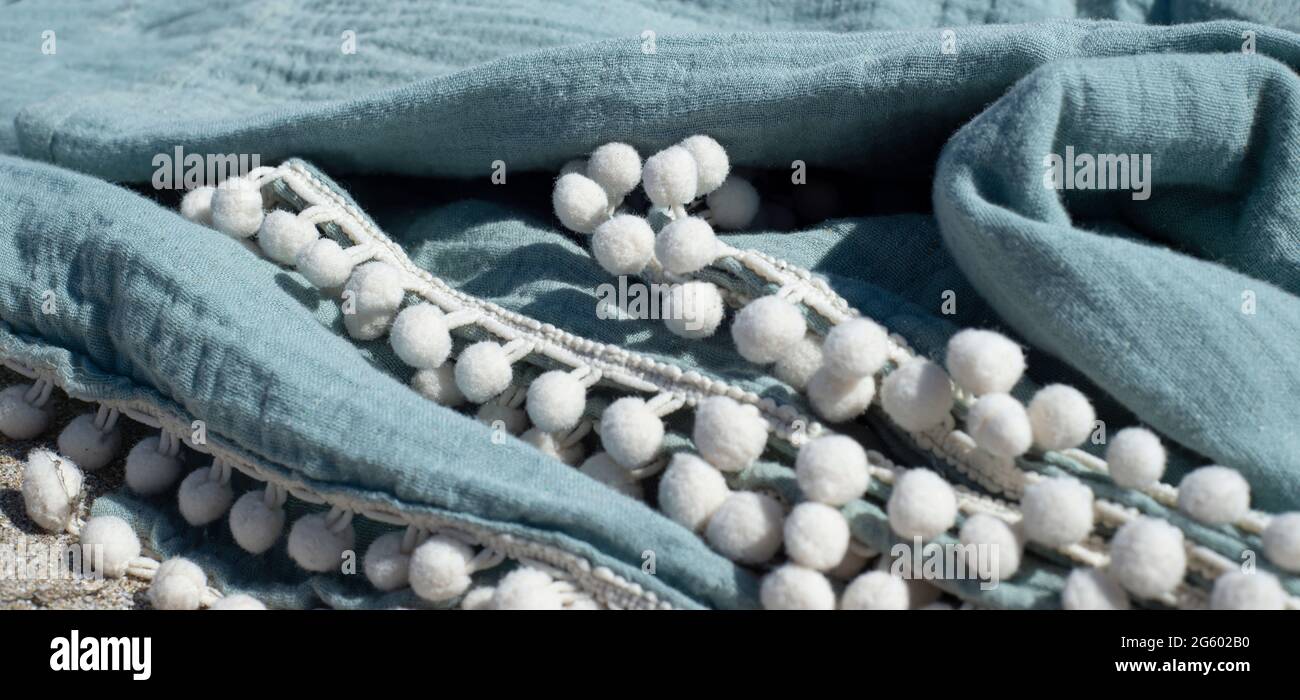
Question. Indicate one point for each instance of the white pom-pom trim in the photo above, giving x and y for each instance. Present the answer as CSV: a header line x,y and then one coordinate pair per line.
x,y
580,203
984,362
766,327
1057,511
51,488
917,395
832,470
922,504
711,163
1147,557
1214,495
793,587
1282,541
616,167
1135,458
318,541
1061,417
728,434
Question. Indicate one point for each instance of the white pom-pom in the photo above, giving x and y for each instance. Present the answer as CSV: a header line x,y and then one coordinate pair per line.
x,y
1214,495
1147,557
922,504
51,484
1237,590
1136,458
284,235
550,444
999,424
734,204
837,400
526,589
478,598
420,336
608,472
917,395
440,568
483,371
1092,589
439,385
148,471
855,348
500,417
670,177
179,584
579,202
691,491
255,525
1057,511
623,245
1061,417
87,445
616,167
387,567
324,264
203,499
1282,541
711,163
984,362
238,601
832,470
316,547
746,528
237,208
876,590
693,309
196,205
373,294
556,401
793,587
20,419
728,434
799,362
111,537
630,432
996,536
766,328
816,536
686,245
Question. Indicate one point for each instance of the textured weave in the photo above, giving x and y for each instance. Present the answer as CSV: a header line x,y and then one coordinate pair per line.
x,y
1142,299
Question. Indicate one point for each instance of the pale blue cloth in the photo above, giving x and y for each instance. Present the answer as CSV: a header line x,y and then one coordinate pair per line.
x,y
1137,300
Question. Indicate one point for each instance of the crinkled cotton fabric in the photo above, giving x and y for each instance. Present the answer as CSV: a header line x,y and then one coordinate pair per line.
x,y
1141,303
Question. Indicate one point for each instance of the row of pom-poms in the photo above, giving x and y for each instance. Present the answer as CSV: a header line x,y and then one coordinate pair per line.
x,y
839,376
1147,556
420,335
586,200
840,388
437,567
832,471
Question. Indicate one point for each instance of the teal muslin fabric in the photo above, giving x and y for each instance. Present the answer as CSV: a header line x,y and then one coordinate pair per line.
x,y
1140,305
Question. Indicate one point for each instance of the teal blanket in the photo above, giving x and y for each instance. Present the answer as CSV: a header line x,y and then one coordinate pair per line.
x,y
1181,311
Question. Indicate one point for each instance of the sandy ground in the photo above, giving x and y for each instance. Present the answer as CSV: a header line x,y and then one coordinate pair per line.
x,y
19,534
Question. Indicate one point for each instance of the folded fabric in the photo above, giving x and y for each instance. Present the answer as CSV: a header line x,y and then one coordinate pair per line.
x,y
1179,309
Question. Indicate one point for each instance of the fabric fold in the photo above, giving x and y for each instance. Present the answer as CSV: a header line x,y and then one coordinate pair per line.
x,y
1183,306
